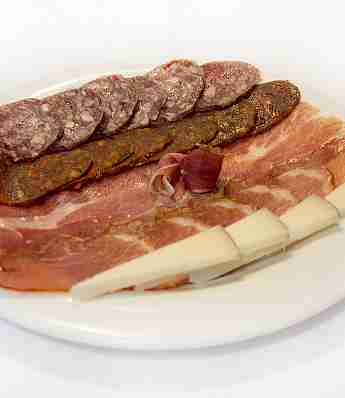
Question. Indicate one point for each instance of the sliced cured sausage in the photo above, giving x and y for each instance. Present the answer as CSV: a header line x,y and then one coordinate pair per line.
x,y
30,179
151,98
234,122
79,111
118,98
225,81
273,102
183,82
25,131
134,148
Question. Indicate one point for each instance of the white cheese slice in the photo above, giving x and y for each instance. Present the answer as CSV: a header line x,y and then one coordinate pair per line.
x,y
204,275
210,247
257,235
337,198
311,215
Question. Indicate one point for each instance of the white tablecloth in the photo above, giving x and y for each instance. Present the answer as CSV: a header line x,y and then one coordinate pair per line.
x,y
46,41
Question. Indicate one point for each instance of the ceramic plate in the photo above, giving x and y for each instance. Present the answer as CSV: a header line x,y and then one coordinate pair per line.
x,y
261,298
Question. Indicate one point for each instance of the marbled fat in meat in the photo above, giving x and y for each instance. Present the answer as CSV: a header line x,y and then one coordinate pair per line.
x,y
303,139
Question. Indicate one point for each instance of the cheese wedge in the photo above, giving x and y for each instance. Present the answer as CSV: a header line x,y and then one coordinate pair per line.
x,y
210,247
257,235
311,215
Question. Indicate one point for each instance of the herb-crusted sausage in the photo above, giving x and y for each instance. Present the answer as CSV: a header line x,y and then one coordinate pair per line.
x,y
273,101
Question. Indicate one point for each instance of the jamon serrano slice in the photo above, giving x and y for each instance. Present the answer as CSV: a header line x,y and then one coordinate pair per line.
x,y
304,139
113,221
280,193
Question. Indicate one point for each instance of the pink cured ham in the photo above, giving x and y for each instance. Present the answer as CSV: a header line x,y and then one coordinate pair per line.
x,y
73,235
52,255
285,191
304,139
75,239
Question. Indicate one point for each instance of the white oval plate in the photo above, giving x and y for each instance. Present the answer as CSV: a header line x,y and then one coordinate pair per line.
x,y
264,297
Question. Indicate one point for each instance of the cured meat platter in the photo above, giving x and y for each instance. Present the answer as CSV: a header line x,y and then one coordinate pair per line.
x,y
157,311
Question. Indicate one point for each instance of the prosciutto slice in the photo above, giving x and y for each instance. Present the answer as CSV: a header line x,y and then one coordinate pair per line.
x,y
74,235
304,139
282,192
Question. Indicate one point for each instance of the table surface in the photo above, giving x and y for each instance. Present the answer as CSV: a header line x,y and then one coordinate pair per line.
x,y
306,360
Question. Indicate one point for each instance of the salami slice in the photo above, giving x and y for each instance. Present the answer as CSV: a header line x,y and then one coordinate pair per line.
x,y
118,97
183,82
25,131
79,112
225,81
151,98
